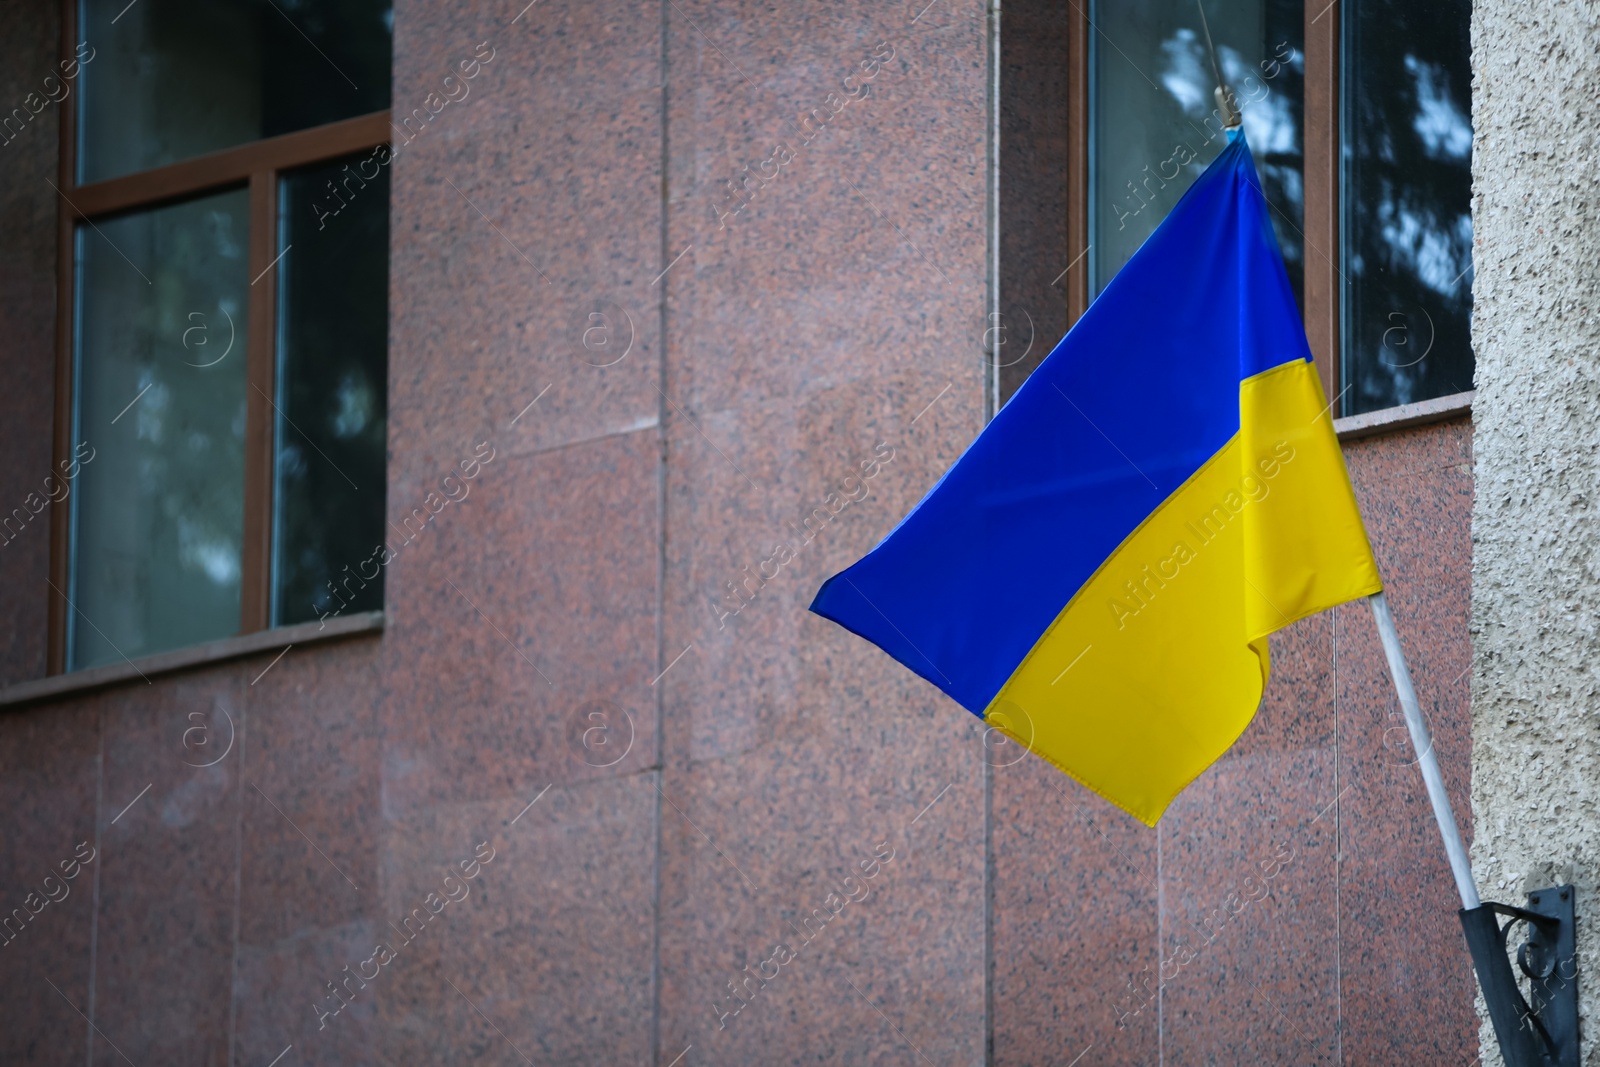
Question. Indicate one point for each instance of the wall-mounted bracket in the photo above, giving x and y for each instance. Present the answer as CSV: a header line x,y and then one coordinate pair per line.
x,y
1543,1033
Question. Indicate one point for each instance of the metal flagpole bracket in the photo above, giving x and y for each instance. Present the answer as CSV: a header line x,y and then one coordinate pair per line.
x,y
1543,1033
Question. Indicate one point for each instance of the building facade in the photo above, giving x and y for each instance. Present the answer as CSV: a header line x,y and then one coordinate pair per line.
x,y
683,306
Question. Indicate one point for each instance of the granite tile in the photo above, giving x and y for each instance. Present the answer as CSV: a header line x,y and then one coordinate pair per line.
x,y
311,831
1075,917
311,850
840,256
766,849
741,607
284,1000
546,956
1249,880
27,321
506,249
169,839
495,661
49,771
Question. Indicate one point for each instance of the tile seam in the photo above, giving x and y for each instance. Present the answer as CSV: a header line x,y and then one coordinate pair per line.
x,y
661,535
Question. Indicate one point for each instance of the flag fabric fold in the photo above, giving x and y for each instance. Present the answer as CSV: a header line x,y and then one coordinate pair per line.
x,y
1097,575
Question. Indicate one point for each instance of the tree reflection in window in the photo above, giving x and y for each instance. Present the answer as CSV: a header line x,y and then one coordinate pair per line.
x,y
1155,125
1406,196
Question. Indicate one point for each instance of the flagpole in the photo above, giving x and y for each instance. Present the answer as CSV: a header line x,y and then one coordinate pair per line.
x,y
1427,760
1545,1032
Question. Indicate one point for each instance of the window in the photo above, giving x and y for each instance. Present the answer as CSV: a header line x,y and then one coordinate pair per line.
x,y
1153,135
1358,114
222,378
1406,245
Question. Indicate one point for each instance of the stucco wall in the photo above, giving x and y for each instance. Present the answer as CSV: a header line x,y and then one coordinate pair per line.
x,y
1536,209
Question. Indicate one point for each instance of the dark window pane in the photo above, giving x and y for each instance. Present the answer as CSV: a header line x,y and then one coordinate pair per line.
x,y
333,313
1154,125
1407,189
158,508
171,79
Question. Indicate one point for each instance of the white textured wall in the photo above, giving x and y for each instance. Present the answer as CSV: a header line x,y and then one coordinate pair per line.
x,y
1536,555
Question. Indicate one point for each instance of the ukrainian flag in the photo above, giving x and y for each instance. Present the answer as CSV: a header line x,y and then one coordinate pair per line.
x,y
1097,575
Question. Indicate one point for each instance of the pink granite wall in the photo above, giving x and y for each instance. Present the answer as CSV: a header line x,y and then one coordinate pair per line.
x,y
704,767
27,330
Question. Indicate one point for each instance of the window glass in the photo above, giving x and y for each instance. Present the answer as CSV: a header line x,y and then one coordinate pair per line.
x,y
172,79
1154,124
1406,190
332,388
158,514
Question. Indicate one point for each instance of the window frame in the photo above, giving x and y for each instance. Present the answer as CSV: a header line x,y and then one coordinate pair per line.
x,y
255,165
1323,294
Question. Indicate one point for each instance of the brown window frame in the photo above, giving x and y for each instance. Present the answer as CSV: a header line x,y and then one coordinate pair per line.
x,y
256,165
1321,117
